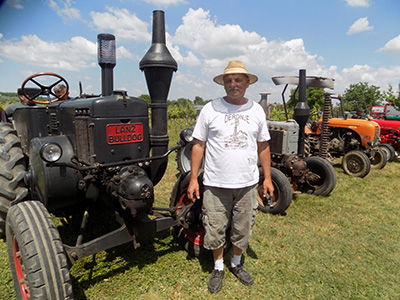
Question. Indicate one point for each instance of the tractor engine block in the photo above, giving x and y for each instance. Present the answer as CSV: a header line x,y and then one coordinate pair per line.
x,y
133,192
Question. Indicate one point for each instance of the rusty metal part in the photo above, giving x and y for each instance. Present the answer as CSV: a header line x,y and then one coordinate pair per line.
x,y
325,133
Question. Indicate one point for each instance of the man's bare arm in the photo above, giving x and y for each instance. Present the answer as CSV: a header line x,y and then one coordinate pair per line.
x,y
196,158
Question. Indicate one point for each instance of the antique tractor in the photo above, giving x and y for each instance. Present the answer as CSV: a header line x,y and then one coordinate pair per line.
x,y
71,159
312,175
356,140
388,118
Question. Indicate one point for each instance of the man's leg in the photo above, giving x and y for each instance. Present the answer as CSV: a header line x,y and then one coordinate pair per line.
x,y
215,280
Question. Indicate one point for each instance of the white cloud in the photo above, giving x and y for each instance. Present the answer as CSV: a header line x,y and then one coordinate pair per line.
x,y
210,46
217,44
64,10
358,3
15,3
380,77
123,52
164,3
392,46
73,55
360,25
124,24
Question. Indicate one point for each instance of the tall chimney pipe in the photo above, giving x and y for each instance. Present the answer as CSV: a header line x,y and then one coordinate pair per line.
x,y
107,61
158,66
301,111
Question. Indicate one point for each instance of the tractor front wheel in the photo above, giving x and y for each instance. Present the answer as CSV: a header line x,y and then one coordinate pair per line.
x,y
37,258
356,163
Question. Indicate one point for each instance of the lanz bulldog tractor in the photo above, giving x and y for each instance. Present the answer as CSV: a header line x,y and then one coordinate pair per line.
x,y
68,158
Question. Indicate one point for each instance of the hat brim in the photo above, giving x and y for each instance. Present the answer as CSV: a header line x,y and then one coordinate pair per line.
x,y
220,78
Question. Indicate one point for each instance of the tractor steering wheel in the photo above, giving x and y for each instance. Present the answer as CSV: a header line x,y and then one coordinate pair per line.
x,y
44,89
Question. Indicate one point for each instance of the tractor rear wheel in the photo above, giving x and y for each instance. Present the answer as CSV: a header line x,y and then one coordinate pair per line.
x,y
183,159
321,177
192,237
379,160
389,150
283,193
356,163
12,171
37,258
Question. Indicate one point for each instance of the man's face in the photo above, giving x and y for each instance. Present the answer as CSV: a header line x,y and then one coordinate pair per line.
x,y
59,94
235,86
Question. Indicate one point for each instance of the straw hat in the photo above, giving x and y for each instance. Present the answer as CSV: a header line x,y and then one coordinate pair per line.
x,y
235,67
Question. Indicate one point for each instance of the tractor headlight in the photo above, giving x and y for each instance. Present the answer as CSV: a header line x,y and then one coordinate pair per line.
x,y
50,152
186,135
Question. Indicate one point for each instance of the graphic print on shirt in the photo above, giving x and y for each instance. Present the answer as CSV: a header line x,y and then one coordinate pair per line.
x,y
239,139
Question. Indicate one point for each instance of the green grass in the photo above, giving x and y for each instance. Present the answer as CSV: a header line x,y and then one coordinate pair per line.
x,y
345,246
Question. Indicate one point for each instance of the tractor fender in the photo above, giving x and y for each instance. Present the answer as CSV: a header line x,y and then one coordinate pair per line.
x,y
55,186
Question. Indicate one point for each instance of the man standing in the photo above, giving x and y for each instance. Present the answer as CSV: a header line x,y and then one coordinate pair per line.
x,y
232,132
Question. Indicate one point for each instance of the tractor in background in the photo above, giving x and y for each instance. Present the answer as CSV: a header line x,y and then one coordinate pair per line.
x,y
388,118
355,140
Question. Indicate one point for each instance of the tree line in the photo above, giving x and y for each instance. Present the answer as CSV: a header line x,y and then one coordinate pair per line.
x,y
356,95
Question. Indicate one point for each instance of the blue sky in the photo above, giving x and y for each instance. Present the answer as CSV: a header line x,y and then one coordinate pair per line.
x,y
349,40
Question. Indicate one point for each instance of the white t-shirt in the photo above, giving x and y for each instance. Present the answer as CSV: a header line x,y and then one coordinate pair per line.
x,y
231,132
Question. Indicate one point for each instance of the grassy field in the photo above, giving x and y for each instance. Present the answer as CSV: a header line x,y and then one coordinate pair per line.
x,y
345,246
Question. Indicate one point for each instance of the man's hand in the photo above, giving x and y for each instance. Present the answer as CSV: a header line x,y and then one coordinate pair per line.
x,y
193,191
268,188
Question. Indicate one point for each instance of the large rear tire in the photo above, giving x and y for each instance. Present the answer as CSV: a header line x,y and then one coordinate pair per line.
x,y
321,178
12,171
37,258
379,160
183,159
283,193
356,163
192,237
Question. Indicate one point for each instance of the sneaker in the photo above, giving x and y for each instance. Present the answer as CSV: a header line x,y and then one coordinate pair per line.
x,y
243,276
215,281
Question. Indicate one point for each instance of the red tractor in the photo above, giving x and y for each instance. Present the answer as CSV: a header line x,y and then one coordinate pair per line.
x,y
388,118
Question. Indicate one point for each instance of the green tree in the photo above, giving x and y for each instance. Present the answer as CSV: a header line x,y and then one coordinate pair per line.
x,y
145,97
390,96
314,98
361,94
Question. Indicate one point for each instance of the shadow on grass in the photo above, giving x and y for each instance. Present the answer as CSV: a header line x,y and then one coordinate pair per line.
x,y
88,271
151,249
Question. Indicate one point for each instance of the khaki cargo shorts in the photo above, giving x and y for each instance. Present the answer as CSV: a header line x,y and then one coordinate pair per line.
x,y
233,209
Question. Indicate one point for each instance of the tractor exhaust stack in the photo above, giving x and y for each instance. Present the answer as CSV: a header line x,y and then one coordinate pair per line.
x,y
158,66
